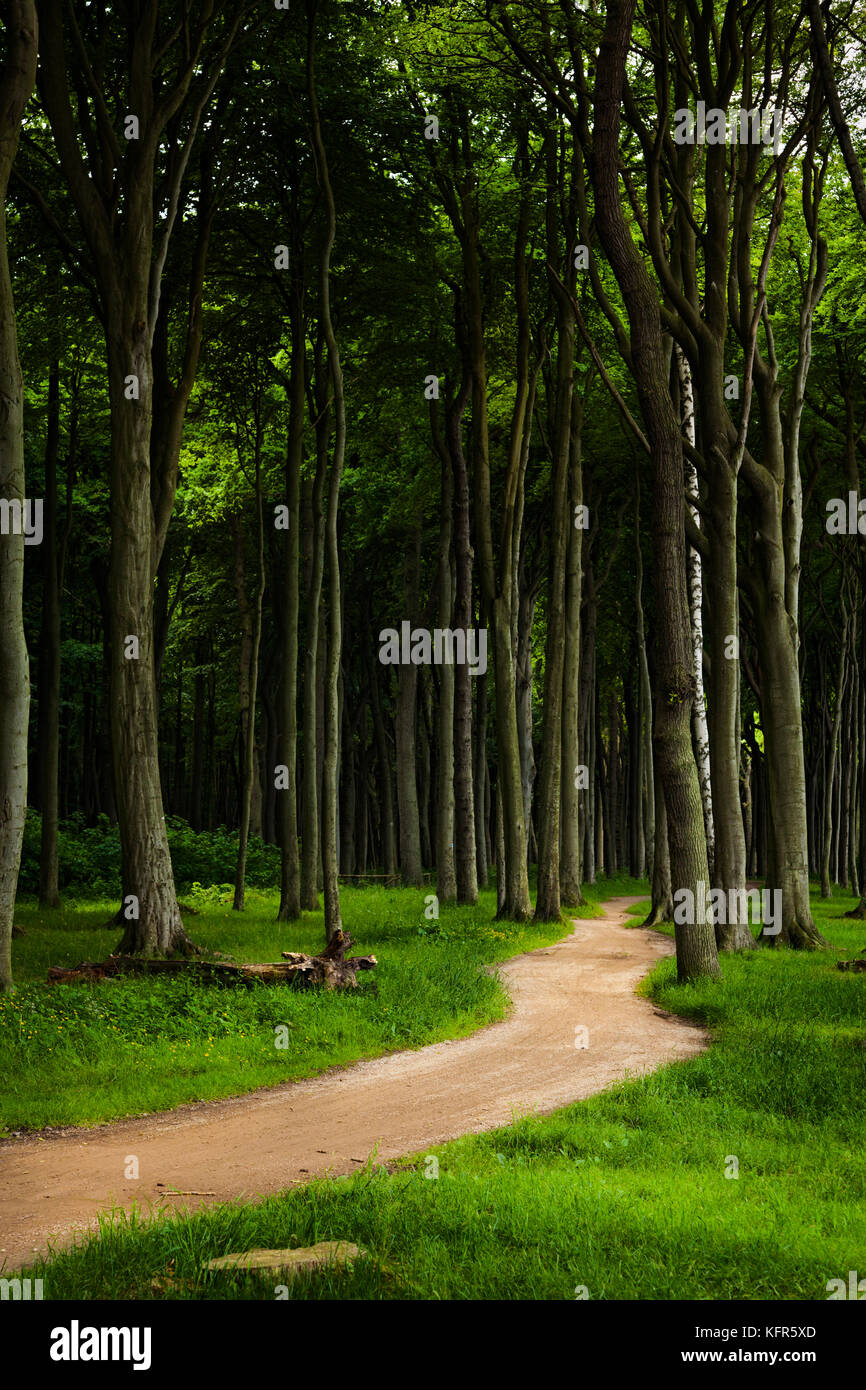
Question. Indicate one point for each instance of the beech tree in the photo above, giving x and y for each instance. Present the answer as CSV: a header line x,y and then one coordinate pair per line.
x,y
675,687
554,772
127,194
330,779
17,78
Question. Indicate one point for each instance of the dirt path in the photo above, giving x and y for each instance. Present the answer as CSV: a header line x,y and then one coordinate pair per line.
x,y
266,1141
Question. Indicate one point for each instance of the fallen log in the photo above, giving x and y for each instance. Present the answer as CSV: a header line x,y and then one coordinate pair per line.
x,y
206,971
331,969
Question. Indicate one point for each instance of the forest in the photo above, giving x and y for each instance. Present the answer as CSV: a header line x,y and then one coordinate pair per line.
x,y
430,503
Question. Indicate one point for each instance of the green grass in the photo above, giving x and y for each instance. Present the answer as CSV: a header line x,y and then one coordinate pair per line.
x,y
625,1194
85,1053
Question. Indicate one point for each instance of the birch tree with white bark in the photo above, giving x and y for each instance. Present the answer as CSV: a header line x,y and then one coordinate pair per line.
x,y
700,732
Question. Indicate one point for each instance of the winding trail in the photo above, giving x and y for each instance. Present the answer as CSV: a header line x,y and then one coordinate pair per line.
x,y
260,1143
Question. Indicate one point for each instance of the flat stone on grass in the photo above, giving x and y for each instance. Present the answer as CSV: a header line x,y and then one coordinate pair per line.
x,y
288,1263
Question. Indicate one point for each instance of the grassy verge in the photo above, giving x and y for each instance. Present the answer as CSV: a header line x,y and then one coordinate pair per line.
x,y
86,1053
629,1195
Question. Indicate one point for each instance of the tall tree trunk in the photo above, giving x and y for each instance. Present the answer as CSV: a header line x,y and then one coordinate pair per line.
x,y
287,743
700,733
321,668
695,942
49,660
523,697
746,801
855,744
774,582
179,769
500,854
330,770
152,918
269,685
776,620
611,803
633,811
646,779
249,733
424,777
662,904
386,788
362,803
481,784
348,789
198,730
497,582
570,863
859,911
17,79
782,724
411,868
588,739
465,848
832,760
548,906
719,576
311,733
446,879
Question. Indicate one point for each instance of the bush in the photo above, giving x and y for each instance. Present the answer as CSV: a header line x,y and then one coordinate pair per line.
x,y
89,856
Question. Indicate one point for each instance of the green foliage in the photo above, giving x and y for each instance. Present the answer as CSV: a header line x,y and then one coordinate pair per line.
x,y
89,858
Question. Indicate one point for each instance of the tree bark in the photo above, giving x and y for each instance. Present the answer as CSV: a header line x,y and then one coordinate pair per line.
x,y
548,907
646,777
481,783
774,591
330,769
611,801
696,945
446,878
587,735
313,716
570,869
48,736
662,903
719,575
383,755
411,869
17,79
197,777
523,696
424,773
287,742
700,733
148,882
465,847
832,761
248,725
